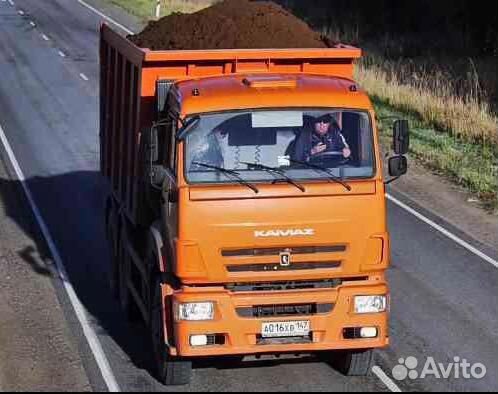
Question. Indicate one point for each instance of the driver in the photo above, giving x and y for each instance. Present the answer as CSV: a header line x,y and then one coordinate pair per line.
x,y
323,136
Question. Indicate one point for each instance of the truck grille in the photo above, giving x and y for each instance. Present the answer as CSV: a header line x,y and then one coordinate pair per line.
x,y
293,285
276,267
262,311
277,251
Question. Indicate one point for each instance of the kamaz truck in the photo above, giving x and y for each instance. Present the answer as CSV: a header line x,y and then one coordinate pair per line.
x,y
246,213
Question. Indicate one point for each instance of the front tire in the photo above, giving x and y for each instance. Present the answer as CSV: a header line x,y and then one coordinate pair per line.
x,y
352,363
170,371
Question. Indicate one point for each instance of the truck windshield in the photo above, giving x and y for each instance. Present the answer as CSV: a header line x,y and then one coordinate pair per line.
x,y
297,142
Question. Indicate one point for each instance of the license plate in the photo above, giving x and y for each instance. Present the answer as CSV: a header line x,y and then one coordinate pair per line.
x,y
286,329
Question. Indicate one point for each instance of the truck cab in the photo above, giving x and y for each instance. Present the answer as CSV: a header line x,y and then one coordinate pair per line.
x,y
257,217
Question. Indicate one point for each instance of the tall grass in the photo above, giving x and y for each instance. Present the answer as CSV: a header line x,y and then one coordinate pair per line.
x,y
474,166
432,96
145,9
184,6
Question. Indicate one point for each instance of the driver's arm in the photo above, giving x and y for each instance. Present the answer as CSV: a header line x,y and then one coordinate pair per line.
x,y
346,150
318,149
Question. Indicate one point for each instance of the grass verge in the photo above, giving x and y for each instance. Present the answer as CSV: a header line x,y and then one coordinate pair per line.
x,y
466,117
145,9
474,166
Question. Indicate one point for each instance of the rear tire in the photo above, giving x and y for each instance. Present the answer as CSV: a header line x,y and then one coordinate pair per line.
x,y
352,363
170,371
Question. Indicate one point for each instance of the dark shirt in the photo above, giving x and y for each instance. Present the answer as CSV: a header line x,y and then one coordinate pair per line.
x,y
308,139
333,140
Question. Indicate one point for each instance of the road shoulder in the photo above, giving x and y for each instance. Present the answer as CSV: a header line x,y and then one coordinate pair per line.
x,y
454,204
37,350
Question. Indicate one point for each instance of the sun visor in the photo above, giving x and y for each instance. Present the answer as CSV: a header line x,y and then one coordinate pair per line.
x,y
277,119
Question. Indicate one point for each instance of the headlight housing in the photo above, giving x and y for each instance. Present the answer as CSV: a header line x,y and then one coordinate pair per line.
x,y
370,304
194,311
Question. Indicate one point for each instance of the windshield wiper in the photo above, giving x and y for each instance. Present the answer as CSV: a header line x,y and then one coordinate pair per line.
x,y
273,171
324,170
230,173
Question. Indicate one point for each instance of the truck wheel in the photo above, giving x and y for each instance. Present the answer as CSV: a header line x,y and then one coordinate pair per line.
x,y
168,370
128,305
352,363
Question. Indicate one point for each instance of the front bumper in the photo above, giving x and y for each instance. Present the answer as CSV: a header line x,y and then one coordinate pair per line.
x,y
242,335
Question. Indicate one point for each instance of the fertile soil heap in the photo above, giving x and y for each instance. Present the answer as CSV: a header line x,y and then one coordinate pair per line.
x,y
230,24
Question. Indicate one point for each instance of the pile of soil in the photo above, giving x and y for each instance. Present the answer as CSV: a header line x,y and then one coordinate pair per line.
x,y
230,24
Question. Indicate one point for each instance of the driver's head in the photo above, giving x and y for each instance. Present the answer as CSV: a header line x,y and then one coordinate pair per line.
x,y
219,132
322,124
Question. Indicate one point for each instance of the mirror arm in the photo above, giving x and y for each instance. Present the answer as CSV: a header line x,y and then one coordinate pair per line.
x,y
391,180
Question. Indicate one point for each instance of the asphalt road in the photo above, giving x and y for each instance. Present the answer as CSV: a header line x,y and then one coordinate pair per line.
x,y
444,298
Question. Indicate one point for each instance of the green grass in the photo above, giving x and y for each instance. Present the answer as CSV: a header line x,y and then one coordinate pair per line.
x,y
433,98
145,9
474,166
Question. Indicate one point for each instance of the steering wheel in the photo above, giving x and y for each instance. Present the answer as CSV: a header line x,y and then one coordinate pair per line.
x,y
333,156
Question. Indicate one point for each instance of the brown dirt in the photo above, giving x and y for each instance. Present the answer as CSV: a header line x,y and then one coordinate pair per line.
x,y
231,24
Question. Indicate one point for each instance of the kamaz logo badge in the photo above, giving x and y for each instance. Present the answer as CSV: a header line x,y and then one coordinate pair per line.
x,y
284,233
285,259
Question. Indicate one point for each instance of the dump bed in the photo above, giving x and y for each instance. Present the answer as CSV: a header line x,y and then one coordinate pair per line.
x,y
128,81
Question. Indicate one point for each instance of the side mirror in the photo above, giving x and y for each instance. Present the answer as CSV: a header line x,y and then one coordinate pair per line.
x,y
401,137
157,175
398,166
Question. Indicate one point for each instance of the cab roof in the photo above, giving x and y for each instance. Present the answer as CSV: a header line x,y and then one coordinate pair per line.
x,y
269,91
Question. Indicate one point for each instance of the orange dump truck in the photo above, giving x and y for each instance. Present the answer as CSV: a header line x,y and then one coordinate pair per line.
x,y
246,213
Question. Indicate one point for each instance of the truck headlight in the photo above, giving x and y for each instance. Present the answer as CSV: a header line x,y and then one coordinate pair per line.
x,y
370,304
195,311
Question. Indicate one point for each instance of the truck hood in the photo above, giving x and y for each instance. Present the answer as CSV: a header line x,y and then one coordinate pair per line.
x,y
281,234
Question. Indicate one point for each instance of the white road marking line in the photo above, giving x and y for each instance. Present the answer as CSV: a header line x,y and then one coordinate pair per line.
x,y
11,2
62,54
445,232
20,12
377,371
125,29
79,309
84,77
32,24
44,36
